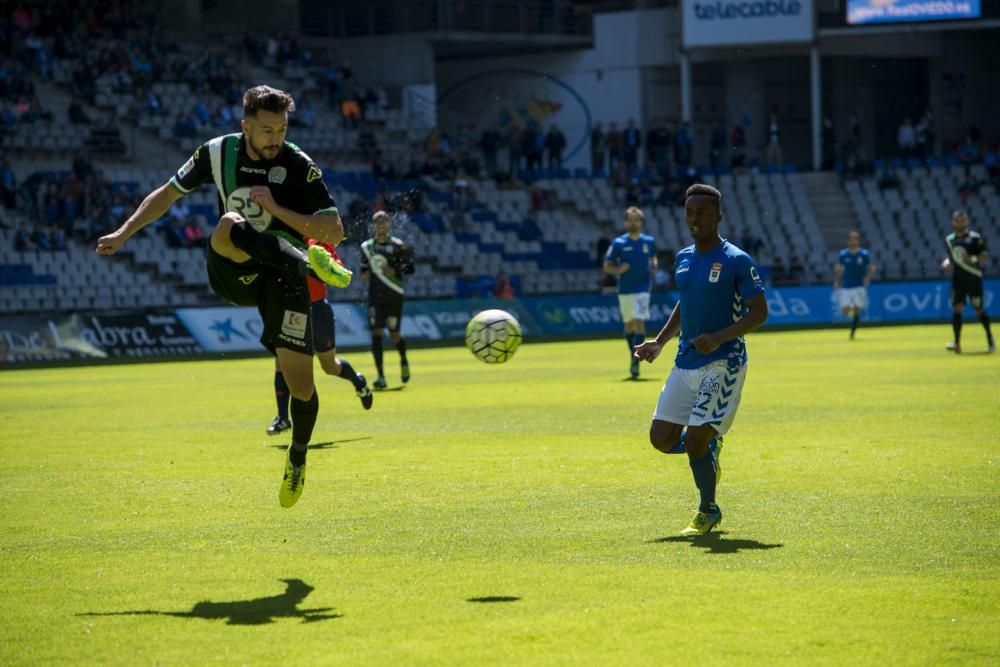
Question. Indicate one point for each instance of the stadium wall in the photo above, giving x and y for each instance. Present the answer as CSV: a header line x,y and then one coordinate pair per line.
x,y
201,332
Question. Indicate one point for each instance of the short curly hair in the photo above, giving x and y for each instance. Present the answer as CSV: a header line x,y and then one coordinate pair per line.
x,y
266,98
703,190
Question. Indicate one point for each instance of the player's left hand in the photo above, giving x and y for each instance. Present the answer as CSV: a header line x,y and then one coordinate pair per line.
x,y
706,343
261,195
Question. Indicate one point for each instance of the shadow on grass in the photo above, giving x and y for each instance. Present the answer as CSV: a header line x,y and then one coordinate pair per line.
x,y
387,389
332,444
495,598
640,379
246,612
715,543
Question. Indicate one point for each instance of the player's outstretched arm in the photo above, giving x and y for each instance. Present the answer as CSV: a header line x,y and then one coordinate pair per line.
x,y
650,349
838,273
153,207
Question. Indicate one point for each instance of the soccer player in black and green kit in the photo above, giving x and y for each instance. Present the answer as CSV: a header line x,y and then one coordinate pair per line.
x,y
271,196
966,256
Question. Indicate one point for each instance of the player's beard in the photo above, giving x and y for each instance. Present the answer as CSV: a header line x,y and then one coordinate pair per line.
x,y
264,152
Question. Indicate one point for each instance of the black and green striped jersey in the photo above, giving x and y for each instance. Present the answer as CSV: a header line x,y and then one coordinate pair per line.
x,y
964,252
375,256
294,179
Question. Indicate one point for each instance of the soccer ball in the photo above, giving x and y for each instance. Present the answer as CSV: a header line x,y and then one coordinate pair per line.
x,y
493,336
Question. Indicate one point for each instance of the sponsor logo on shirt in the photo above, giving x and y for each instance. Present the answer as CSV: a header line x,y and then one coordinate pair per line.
x,y
314,174
682,267
253,170
294,324
188,166
713,275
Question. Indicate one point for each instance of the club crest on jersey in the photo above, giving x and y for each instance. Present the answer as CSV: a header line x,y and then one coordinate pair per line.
x,y
314,174
713,275
277,175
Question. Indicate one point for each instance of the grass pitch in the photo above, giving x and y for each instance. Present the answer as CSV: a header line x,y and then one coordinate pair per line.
x,y
507,515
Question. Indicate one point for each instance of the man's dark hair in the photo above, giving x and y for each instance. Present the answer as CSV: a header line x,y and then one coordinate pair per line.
x,y
266,98
703,190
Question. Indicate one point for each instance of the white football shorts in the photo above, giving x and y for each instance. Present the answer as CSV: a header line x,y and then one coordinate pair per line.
x,y
706,395
634,306
852,297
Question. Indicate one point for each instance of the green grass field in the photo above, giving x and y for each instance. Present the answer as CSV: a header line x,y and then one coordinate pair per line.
x,y
508,515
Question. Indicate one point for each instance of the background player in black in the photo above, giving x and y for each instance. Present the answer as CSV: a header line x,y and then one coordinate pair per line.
x,y
966,256
271,195
385,259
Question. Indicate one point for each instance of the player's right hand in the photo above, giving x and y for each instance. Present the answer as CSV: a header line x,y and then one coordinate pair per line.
x,y
624,267
109,243
648,351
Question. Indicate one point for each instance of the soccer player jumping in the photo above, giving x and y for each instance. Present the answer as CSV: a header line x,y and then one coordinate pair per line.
x,y
721,298
271,197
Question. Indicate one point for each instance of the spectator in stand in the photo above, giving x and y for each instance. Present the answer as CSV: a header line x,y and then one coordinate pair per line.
x,y
750,243
968,153
502,289
512,139
598,148
174,233
926,140
8,184
194,233
658,148
738,148
57,238
889,180
772,141
616,145
632,138
489,144
717,147
828,139
555,144
683,145
23,240
41,238
906,137
854,140
532,146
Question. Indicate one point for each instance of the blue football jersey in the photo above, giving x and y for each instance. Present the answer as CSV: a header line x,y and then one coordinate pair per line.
x,y
637,253
714,288
855,267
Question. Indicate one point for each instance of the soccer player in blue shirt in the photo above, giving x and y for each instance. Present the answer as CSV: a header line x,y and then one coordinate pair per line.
x,y
721,298
852,275
632,258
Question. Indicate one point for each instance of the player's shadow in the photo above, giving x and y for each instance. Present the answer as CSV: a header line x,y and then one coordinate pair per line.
x,y
639,379
258,611
388,389
332,444
494,598
716,543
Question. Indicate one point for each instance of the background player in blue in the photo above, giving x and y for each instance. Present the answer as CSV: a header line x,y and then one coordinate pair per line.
x,y
721,298
632,257
851,277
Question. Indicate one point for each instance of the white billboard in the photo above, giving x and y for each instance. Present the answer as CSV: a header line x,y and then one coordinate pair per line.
x,y
745,22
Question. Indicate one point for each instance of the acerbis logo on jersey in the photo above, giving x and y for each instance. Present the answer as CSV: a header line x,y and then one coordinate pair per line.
x,y
294,324
314,174
247,279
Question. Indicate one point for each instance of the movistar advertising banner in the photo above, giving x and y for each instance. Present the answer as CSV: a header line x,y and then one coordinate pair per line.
x,y
708,23
861,12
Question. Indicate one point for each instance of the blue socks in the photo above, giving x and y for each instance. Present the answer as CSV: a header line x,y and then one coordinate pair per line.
x,y
704,478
